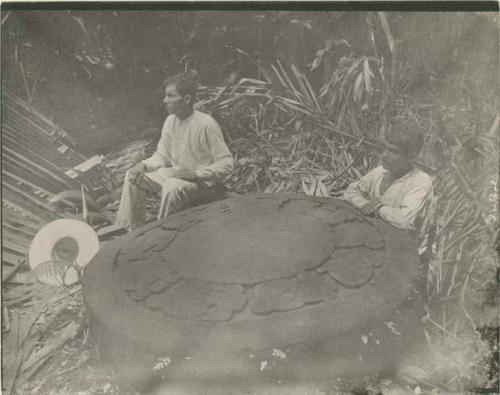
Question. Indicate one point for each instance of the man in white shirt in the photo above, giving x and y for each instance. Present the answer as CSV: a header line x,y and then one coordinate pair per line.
x,y
191,158
397,190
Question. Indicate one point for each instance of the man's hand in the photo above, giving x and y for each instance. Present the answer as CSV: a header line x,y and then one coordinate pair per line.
x,y
135,173
369,208
185,174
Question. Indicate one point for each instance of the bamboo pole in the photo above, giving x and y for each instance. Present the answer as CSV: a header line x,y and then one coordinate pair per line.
x,y
26,182
25,206
33,172
12,229
11,258
12,132
16,221
13,247
28,195
22,131
39,129
37,156
63,179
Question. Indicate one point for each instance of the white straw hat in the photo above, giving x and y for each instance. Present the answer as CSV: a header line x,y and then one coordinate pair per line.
x,y
78,233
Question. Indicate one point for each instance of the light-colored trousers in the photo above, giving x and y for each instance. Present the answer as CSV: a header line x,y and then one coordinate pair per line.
x,y
176,194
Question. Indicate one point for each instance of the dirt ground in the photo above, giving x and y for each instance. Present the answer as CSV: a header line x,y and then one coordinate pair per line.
x,y
75,369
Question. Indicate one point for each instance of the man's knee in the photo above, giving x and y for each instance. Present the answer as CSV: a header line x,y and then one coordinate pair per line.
x,y
176,186
129,185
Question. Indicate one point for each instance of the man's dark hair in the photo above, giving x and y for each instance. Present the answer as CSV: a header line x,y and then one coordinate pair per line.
x,y
185,83
408,139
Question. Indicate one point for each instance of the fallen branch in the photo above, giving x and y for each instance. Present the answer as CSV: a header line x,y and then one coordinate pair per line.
x,y
38,357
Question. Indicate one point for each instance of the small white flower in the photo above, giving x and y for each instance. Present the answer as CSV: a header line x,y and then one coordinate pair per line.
x,y
162,363
263,365
277,353
392,327
364,339
377,341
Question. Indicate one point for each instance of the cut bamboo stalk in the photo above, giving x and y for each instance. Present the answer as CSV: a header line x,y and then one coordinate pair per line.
x,y
27,182
16,248
16,239
14,135
18,217
28,195
18,232
23,128
12,257
32,172
47,121
15,219
46,186
36,126
58,177
22,133
35,156
17,200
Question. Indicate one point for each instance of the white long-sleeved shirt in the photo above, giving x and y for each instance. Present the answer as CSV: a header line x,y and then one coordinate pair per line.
x,y
402,201
195,143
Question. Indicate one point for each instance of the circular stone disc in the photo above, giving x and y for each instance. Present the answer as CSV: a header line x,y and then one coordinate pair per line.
x,y
245,273
240,248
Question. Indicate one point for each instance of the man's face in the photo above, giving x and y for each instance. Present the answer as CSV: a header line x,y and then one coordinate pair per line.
x,y
394,160
174,101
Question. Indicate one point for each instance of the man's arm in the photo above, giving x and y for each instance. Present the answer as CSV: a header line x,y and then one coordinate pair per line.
x,y
358,193
161,157
223,162
412,203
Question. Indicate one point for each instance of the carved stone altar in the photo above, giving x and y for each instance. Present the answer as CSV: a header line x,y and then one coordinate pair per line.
x,y
211,292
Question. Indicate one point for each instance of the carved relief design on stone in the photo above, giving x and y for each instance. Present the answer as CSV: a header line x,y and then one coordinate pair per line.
x,y
259,255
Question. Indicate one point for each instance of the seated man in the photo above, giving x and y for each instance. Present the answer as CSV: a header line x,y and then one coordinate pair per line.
x,y
395,191
190,160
